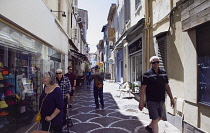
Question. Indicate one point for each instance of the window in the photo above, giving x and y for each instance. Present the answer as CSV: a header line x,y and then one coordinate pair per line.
x,y
203,48
136,67
127,11
137,3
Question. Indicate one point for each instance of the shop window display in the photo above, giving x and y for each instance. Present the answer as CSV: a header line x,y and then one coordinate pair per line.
x,y
20,83
22,60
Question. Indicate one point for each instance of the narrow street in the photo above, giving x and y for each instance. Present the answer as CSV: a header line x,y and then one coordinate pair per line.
x,y
121,114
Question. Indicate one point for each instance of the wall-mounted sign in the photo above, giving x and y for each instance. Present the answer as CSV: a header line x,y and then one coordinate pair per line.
x,y
111,61
137,45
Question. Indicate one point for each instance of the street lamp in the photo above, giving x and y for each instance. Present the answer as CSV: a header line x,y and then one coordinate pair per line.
x,y
63,14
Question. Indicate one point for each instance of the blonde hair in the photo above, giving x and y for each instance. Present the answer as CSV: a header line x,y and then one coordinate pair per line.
x,y
51,76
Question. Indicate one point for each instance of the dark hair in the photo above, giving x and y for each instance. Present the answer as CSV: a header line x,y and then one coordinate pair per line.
x,y
97,67
69,67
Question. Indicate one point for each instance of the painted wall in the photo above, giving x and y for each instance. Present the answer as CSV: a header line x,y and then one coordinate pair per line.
x,y
38,21
174,46
201,113
160,9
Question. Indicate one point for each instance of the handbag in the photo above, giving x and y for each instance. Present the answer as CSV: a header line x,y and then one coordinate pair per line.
x,y
98,84
39,131
38,115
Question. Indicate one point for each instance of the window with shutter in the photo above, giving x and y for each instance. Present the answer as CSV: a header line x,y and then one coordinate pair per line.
x,y
162,51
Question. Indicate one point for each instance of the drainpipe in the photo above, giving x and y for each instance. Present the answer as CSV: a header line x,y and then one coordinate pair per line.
x,y
147,28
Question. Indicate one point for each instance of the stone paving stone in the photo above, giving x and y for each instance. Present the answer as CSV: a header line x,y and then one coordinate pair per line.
x,y
130,125
109,130
85,117
84,109
105,121
84,127
120,115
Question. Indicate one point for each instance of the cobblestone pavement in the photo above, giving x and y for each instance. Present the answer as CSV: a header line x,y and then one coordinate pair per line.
x,y
120,115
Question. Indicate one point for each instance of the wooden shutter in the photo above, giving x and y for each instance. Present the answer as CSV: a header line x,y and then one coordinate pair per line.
x,y
162,51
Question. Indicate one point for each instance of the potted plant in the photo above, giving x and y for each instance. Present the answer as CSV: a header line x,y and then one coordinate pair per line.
x,y
133,87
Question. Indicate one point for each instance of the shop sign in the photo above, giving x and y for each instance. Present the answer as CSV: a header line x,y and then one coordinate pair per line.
x,y
111,61
136,46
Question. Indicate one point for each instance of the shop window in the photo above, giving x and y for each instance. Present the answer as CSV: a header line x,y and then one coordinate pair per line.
x,y
136,66
203,48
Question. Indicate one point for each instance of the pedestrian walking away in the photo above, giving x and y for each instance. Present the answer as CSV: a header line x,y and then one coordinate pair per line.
x,y
65,86
88,74
51,104
72,79
155,83
98,87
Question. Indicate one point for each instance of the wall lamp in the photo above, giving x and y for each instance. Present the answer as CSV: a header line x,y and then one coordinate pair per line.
x,y
63,14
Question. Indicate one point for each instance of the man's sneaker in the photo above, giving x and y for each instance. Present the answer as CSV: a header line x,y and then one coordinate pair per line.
x,y
96,107
148,129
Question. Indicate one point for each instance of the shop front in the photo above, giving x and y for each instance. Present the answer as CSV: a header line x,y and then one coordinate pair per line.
x,y
135,56
120,65
23,59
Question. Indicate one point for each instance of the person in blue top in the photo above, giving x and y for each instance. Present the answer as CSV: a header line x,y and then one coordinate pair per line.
x,y
88,77
51,103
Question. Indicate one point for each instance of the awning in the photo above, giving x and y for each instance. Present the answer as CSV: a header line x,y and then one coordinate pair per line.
x,y
78,55
72,44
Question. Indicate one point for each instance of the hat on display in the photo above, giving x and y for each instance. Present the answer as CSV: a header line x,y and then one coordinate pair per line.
x,y
3,104
4,113
1,85
1,76
7,84
1,65
5,72
8,92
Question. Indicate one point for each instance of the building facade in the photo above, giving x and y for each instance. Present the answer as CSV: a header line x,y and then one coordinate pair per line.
x,y
176,32
32,41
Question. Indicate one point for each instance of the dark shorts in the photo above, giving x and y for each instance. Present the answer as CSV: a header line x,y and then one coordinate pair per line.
x,y
72,92
155,109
